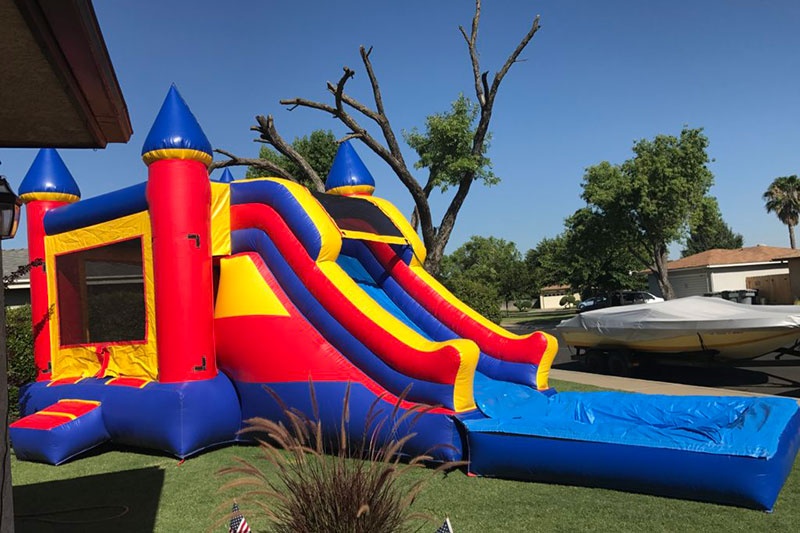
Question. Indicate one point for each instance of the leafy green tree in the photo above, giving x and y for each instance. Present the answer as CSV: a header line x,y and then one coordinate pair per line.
x,y
546,265
783,198
649,199
318,149
479,296
445,149
453,149
709,232
598,256
487,261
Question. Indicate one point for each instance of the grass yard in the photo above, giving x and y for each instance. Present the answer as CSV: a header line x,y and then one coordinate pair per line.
x,y
124,490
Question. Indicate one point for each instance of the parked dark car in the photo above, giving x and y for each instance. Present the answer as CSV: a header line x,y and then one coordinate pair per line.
x,y
634,297
617,298
595,302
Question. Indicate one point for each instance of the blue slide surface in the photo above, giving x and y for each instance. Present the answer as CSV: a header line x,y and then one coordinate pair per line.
x,y
736,450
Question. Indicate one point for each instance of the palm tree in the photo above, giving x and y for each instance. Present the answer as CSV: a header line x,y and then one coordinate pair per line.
x,y
783,198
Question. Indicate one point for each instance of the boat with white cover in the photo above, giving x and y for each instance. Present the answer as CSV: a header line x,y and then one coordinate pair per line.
x,y
696,324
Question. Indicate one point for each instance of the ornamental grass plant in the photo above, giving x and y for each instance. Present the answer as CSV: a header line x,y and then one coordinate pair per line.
x,y
319,479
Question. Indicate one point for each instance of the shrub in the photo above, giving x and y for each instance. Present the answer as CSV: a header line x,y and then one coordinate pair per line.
x,y
523,305
360,488
567,301
482,297
19,344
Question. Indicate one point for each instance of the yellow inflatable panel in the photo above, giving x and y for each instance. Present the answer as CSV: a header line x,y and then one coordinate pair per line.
x,y
220,219
135,358
243,291
543,372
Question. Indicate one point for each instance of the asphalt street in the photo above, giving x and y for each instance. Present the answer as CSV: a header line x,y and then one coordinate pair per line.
x,y
746,376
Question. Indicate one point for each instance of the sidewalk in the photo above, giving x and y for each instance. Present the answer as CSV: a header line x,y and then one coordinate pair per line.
x,y
641,385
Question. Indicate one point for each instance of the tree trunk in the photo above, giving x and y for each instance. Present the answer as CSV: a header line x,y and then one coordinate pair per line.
x,y
434,258
661,273
791,236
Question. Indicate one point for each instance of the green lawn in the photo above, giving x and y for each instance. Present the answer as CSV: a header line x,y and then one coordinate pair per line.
x,y
124,490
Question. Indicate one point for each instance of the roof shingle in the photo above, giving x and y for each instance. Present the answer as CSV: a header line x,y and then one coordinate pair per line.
x,y
751,254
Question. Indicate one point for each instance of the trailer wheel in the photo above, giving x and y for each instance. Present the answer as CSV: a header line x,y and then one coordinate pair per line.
x,y
595,362
619,365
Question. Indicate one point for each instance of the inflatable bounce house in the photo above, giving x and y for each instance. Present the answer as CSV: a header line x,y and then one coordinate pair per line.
x,y
162,311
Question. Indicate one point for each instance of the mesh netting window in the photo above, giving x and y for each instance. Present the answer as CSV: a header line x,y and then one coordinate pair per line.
x,y
101,295
355,214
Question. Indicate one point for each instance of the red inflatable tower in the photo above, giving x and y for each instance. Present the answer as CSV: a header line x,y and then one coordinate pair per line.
x,y
177,154
47,185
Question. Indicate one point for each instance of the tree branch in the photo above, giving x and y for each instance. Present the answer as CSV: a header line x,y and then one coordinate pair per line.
x,y
294,103
355,104
266,127
234,161
337,94
491,92
472,41
382,120
373,80
393,156
350,136
513,57
396,163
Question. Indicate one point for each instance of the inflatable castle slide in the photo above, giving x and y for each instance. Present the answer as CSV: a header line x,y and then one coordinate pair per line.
x,y
162,311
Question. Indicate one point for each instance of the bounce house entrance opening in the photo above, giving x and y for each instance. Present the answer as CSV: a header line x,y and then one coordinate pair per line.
x,y
101,294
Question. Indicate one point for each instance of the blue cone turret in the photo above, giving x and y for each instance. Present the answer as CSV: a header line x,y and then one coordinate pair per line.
x,y
176,134
48,179
226,177
348,174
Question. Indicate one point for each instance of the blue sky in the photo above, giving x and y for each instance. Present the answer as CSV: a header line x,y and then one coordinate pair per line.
x,y
597,77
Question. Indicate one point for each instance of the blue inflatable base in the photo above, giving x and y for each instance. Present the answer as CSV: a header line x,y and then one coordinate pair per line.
x,y
435,433
179,418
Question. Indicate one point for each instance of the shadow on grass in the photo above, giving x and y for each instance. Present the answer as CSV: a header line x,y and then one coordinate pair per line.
x,y
119,501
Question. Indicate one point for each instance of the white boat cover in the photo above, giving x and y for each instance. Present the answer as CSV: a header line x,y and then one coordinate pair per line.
x,y
693,313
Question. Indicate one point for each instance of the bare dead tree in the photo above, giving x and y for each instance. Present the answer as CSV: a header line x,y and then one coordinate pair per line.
x,y
348,110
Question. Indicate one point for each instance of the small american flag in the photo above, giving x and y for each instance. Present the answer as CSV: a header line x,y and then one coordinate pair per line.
x,y
238,523
446,527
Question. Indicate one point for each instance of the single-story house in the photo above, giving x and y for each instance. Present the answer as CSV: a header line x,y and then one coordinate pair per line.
x,y
550,297
18,290
762,268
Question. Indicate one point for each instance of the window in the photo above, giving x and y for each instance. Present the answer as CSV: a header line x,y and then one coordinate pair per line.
x,y
101,294
355,214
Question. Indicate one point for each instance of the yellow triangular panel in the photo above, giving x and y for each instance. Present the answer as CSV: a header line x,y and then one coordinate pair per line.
x,y
243,290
